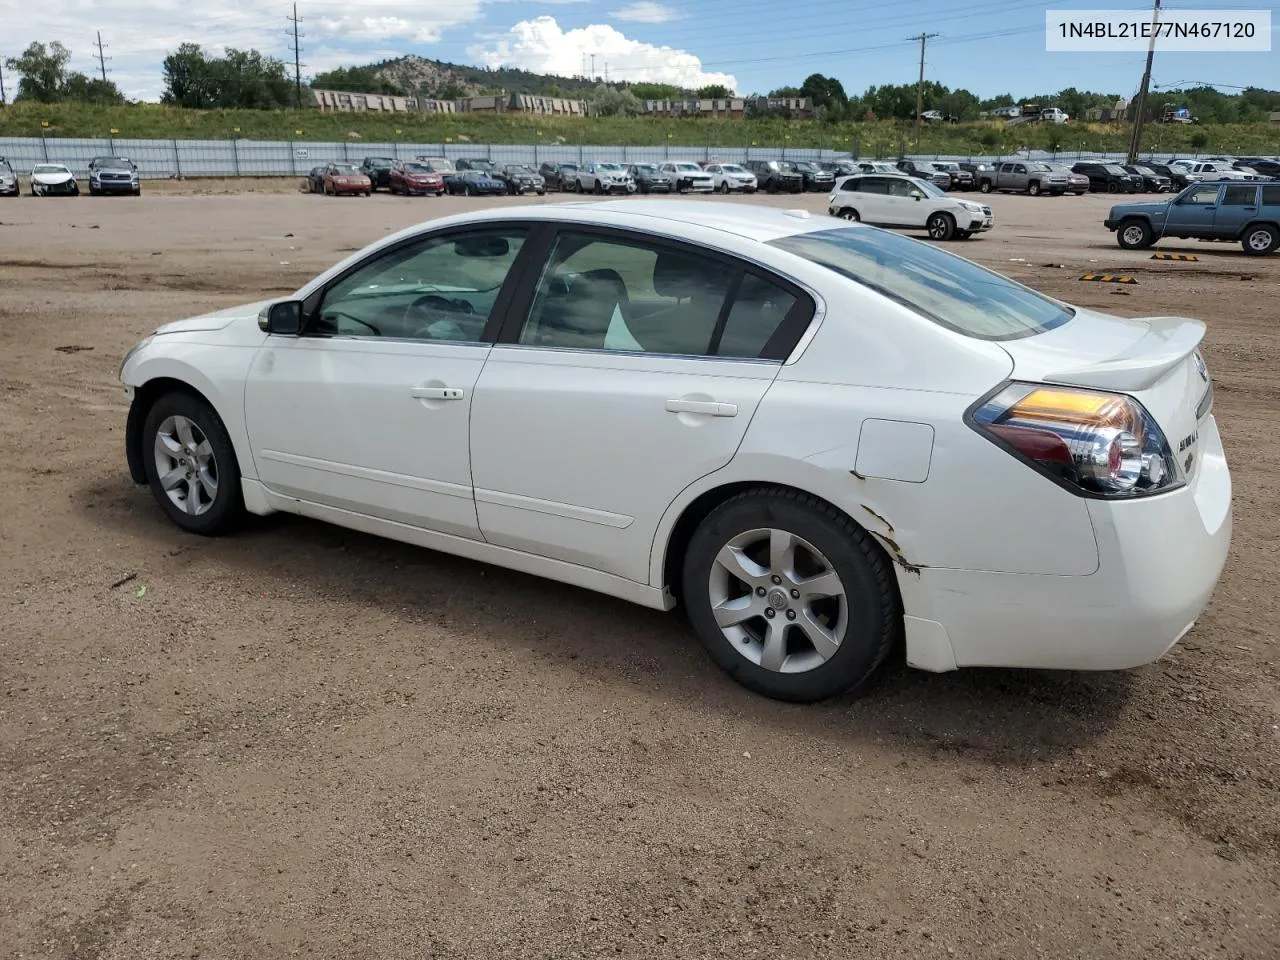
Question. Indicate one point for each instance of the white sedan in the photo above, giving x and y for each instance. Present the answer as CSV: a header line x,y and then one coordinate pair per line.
x,y
821,438
889,200
52,180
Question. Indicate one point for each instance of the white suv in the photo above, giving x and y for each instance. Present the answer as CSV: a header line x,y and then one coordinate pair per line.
x,y
689,177
729,177
605,178
886,200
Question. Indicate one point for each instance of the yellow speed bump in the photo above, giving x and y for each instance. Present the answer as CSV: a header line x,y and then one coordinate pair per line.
x,y
1108,278
1189,257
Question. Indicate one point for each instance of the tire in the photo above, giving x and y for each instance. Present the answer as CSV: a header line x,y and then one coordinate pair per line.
x,y
644,188
212,513
985,186
1033,188
597,188
1260,239
772,187
819,538
724,187
1113,187
848,213
941,226
1134,235
468,191
93,192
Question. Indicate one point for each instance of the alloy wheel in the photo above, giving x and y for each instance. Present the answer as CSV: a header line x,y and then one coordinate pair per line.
x,y
778,601
186,465
1260,241
1134,235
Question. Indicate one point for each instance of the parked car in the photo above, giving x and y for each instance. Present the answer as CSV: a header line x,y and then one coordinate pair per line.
x,y
113,175
559,176
1211,210
474,183
1109,177
924,170
8,179
603,177
1077,183
1179,177
876,166
815,178
649,178
731,178
378,170
340,178
775,175
315,179
482,164
520,178
53,180
410,177
1024,176
441,165
1262,166
977,168
688,177
960,179
1213,169
1152,182
896,200
1078,446
839,168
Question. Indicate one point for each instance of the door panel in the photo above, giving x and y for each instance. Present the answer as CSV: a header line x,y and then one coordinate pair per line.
x,y
576,455
1195,213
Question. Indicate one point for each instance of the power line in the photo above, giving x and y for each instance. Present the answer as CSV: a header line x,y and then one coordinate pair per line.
x,y
923,38
102,60
297,55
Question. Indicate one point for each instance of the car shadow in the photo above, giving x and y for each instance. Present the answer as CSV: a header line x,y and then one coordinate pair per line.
x,y
998,716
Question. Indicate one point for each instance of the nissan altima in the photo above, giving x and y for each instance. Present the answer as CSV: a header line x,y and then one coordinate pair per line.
x,y
822,439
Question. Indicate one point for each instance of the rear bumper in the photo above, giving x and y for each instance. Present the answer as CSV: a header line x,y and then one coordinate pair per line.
x,y
1159,561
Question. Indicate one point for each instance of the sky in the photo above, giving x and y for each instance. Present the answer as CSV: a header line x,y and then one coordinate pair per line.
x,y
752,46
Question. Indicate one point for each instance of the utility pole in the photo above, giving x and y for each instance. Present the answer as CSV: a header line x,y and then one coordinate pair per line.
x,y
3,101
923,38
297,56
606,71
1135,142
593,67
102,60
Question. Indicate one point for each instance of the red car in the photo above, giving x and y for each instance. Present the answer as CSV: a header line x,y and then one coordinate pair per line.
x,y
340,178
413,176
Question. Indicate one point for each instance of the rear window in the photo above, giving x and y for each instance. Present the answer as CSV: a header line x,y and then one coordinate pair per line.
x,y
940,286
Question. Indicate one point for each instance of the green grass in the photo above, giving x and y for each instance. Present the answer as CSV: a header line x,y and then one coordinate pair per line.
x,y
884,138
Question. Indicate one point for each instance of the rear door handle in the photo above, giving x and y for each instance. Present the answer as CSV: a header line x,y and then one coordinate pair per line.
x,y
437,393
708,408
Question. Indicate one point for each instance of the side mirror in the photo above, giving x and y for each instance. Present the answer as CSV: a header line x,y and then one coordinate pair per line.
x,y
283,318
917,195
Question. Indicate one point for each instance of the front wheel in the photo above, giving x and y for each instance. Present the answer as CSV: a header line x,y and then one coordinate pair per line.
x,y
1260,240
1135,235
1033,188
941,226
985,186
789,596
723,188
1113,187
191,465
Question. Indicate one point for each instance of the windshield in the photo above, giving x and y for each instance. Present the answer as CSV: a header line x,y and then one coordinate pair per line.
x,y
110,162
1038,167
691,167
344,169
4,165
608,166
804,165
932,189
940,286
1145,171
49,168
731,168
1112,168
945,165
378,162
418,168
521,170
645,168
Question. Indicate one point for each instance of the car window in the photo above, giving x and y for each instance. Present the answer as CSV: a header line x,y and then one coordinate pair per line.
x,y
853,184
901,188
607,293
1240,196
1202,195
1019,169
758,310
874,185
947,289
440,288
1271,196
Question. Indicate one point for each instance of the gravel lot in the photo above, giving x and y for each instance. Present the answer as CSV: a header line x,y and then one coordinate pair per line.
x,y
301,741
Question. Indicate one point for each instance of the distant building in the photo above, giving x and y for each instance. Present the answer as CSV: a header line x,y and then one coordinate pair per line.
x,y
733,108
549,106
798,107
343,102
339,101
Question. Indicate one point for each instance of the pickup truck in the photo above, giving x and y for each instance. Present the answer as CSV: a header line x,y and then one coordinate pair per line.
x,y
1024,176
1211,169
1218,210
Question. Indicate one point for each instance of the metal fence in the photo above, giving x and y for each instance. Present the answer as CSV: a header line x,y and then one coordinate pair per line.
x,y
161,159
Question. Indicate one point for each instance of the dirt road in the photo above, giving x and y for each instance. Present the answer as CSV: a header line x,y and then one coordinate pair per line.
x,y
306,742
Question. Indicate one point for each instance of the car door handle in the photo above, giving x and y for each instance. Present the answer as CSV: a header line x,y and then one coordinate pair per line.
x,y
708,408
437,393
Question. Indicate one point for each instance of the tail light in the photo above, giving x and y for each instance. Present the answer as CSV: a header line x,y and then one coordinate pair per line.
x,y
1092,442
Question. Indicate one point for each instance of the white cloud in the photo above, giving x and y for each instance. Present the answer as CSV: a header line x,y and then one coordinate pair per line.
x,y
647,12
542,46
141,32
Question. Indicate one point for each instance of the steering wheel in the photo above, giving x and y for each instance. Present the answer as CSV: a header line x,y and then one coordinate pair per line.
x,y
440,328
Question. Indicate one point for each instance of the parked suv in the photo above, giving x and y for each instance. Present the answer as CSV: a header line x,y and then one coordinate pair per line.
x,y
521,178
1024,176
1109,177
925,171
960,179
1179,178
688,176
732,178
604,177
477,163
113,175
1152,182
815,178
408,177
889,200
559,176
1217,210
1077,183
649,179
378,170
1214,169
775,175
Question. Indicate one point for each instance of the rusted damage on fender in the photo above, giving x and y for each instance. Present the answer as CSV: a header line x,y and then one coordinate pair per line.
x,y
891,544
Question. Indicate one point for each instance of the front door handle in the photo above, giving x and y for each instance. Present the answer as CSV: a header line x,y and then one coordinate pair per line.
x,y
708,408
437,393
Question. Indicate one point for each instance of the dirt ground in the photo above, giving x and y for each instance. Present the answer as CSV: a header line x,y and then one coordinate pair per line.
x,y
300,741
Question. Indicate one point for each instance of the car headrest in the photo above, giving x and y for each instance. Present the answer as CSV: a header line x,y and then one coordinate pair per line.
x,y
675,275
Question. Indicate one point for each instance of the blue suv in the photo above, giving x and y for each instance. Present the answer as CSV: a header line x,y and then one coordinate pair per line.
x,y
1226,210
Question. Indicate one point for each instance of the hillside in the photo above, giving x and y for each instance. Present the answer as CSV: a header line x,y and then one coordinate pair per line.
x,y
413,74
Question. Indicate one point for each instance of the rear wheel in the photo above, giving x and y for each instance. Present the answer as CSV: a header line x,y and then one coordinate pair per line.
x,y
848,213
1135,235
191,465
941,226
1260,240
789,596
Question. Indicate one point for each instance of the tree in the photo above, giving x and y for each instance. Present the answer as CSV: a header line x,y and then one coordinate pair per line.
x,y
450,90
715,91
188,79
84,89
1199,140
242,78
356,80
45,78
607,101
825,92
785,92
657,91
